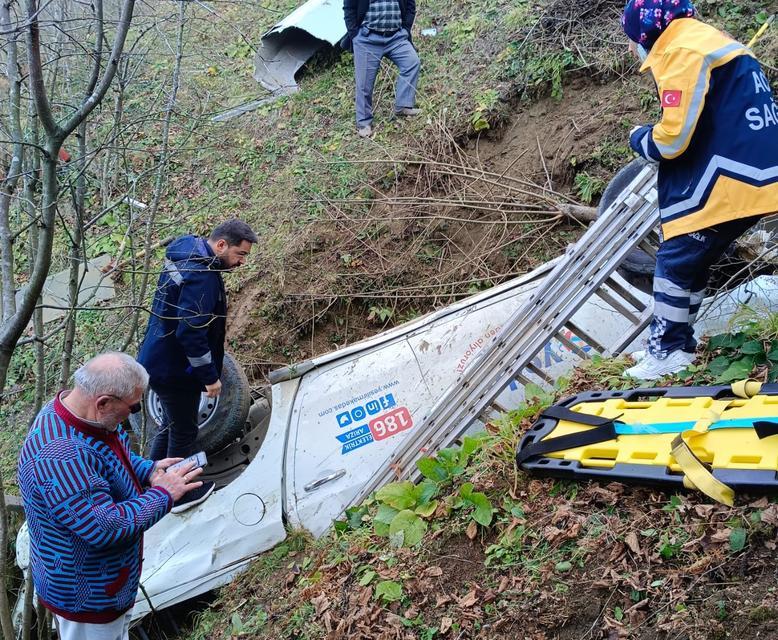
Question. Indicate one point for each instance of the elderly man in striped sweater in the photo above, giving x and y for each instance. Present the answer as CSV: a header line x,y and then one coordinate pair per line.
x,y
89,498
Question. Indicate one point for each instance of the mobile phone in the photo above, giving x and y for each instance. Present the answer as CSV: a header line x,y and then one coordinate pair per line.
x,y
198,458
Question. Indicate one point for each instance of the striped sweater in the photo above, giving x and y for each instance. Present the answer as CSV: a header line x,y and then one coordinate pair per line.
x,y
82,489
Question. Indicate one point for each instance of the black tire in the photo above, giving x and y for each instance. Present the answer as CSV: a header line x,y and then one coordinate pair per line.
x,y
637,262
222,419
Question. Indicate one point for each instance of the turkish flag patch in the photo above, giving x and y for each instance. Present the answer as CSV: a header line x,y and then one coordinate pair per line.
x,y
671,98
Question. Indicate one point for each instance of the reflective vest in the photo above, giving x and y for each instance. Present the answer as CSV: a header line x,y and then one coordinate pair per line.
x,y
717,140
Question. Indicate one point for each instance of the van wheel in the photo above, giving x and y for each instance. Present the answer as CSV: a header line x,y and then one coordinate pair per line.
x,y
221,419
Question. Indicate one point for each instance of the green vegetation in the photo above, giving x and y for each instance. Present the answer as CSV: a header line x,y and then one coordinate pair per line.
x,y
477,545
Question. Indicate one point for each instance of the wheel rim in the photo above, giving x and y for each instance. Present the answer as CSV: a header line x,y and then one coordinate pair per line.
x,y
205,410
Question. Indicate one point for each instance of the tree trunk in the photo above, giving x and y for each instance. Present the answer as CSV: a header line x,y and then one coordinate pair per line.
x,y
160,178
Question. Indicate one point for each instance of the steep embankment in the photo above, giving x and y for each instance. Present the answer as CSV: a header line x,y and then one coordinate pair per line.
x,y
526,107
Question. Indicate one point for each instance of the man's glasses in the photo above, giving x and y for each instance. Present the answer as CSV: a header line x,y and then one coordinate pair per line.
x,y
134,408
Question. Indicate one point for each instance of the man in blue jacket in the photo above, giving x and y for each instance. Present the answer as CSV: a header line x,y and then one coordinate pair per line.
x,y
378,29
183,348
88,499
716,145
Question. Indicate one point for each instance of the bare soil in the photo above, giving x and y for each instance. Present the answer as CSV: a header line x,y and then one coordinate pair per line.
x,y
414,247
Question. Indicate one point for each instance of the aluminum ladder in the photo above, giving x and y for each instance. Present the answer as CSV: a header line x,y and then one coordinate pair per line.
x,y
586,270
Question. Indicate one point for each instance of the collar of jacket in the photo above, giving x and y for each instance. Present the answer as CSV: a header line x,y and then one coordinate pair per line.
x,y
210,258
79,423
664,41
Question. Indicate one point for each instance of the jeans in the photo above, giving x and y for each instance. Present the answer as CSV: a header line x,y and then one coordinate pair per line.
x,y
177,437
682,267
369,48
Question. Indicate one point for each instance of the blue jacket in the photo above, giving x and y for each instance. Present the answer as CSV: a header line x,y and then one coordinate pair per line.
x,y
87,510
184,343
717,141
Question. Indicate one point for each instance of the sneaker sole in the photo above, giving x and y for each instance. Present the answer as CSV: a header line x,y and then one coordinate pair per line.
x,y
193,503
658,374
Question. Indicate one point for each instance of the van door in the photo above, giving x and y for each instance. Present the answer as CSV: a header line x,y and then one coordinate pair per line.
x,y
349,416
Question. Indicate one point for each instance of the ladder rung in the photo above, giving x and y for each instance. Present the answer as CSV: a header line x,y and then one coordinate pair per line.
x,y
585,337
572,346
624,341
649,248
626,295
540,373
496,406
603,293
522,379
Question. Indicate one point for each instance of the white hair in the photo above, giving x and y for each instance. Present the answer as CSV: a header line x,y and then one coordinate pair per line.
x,y
111,374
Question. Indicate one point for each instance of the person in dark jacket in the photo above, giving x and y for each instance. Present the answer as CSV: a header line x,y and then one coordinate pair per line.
x,y
88,499
716,145
378,29
183,349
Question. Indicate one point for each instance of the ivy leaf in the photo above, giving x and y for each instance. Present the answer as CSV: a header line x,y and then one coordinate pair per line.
x,y
483,509
719,365
388,591
237,624
412,527
737,370
432,469
385,514
564,566
426,510
399,495
367,578
355,516
425,492
383,518
727,341
752,347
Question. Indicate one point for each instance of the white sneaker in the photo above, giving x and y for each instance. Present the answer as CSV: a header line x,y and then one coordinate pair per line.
x,y
651,368
637,356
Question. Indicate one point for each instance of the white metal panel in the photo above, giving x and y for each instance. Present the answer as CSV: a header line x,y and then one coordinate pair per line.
x,y
348,418
189,553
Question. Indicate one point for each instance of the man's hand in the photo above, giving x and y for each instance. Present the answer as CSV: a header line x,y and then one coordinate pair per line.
x,y
160,466
213,390
178,481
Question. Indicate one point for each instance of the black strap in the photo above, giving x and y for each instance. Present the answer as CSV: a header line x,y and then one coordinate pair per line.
x,y
563,413
604,429
766,429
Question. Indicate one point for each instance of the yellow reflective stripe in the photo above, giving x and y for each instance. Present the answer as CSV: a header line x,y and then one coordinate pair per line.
x,y
688,71
729,199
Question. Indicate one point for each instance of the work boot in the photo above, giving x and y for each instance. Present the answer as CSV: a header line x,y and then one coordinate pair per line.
x,y
652,368
365,132
407,111
194,497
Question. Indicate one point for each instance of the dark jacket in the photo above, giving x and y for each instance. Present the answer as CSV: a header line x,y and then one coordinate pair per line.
x,y
354,12
717,141
184,343
87,509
